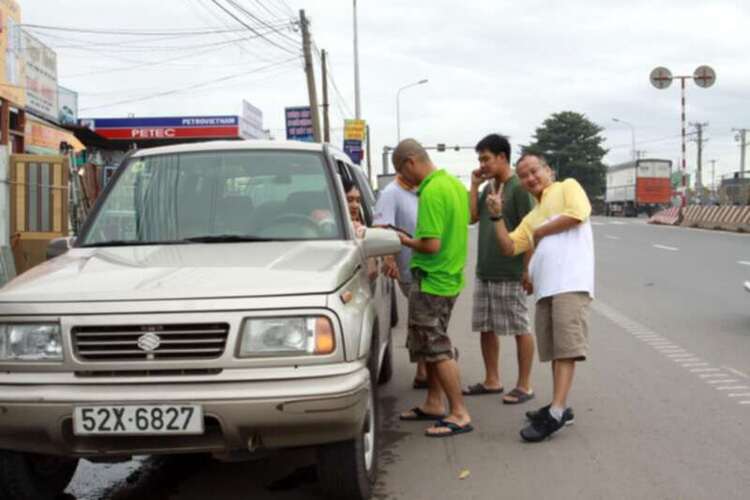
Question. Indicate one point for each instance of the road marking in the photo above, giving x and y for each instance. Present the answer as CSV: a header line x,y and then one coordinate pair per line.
x,y
733,388
739,395
618,223
598,224
736,372
745,402
695,364
743,262
713,375
664,247
676,357
686,360
610,237
721,381
702,370
670,350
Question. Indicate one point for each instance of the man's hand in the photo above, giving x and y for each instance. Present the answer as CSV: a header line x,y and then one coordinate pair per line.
x,y
477,178
390,268
526,283
495,203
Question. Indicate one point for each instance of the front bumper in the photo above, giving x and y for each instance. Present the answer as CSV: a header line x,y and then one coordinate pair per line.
x,y
238,415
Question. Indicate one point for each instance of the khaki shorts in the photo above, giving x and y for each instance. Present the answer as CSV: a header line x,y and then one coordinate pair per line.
x,y
427,338
562,330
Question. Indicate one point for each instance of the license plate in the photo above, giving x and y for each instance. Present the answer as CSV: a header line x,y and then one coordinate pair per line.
x,y
138,420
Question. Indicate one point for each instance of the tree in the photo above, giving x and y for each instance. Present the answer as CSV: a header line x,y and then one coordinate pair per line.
x,y
573,148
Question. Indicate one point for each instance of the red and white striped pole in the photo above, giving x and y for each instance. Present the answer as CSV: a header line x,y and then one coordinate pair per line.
x,y
684,154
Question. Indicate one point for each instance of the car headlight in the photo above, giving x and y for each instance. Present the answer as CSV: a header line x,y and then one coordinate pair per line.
x,y
30,342
292,336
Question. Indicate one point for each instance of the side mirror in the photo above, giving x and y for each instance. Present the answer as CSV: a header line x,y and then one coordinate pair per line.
x,y
379,242
59,246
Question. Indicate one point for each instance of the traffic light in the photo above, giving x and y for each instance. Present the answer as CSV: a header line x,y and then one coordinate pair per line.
x,y
441,147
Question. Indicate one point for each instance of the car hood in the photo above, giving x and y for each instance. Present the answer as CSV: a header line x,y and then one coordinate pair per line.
x,y
193,271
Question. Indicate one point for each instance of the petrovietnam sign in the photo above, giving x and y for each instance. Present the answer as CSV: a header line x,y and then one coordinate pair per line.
x,y
177,127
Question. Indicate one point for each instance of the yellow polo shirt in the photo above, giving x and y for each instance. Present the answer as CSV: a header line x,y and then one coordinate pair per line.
x,y
560,198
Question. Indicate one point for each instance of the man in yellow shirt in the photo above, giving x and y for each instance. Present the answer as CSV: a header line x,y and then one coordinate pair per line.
x,y
558,230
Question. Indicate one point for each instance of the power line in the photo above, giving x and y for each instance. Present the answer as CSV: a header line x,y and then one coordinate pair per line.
x,y
188,32
216,2
345,110
295,43
191,87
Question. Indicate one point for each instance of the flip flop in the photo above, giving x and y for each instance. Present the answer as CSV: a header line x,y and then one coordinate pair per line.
x,y
420,415
454,428
479,389
521,397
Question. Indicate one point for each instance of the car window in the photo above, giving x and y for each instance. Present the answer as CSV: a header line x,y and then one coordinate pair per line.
x,y
265,194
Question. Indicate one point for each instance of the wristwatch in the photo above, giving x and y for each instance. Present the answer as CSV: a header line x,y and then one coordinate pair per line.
x,y
495,218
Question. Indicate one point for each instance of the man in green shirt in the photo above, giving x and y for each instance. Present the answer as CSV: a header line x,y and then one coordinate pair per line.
x,y
500,304
439,255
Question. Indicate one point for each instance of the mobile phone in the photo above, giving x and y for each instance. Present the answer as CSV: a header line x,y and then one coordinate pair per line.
x,y
396,228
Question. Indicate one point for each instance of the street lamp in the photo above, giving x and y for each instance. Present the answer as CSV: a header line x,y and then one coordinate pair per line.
x,y
398,106
632,135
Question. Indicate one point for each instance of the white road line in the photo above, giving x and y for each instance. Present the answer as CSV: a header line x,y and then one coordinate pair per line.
x,y
610,237
736,372
598,224
689,365
670,350
703,370
678,356
721,381
733,388
618,223
664,247
745,402
713,375
686,360
739,395
743,262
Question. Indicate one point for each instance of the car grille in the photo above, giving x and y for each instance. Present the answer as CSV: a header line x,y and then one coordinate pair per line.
x,y
150,342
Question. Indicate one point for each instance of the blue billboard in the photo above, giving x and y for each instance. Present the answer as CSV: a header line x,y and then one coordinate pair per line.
x,y
299,124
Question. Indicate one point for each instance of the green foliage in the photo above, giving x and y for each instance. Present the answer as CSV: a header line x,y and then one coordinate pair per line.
x,y
572,145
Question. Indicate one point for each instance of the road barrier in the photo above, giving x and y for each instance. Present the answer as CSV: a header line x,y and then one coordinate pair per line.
x,y
730,218
669,217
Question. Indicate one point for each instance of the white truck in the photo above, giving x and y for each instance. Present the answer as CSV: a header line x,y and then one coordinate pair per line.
x,y
638,186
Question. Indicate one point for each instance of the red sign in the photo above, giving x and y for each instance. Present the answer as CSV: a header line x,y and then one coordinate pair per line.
x,y
145,133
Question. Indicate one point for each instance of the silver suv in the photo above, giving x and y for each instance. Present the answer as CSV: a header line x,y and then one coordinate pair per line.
x,y
217,300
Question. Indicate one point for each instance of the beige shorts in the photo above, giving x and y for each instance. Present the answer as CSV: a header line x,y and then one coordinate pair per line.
x,y
562,330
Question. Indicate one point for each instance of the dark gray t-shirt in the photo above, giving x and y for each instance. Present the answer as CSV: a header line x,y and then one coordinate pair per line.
x,y
491,263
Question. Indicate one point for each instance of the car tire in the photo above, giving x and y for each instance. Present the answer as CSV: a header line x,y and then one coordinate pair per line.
x,y
25,476
348,470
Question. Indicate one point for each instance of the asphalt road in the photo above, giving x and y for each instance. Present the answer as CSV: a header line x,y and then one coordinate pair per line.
x,y
662,407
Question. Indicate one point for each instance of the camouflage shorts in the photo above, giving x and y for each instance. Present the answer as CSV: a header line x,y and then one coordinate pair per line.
x,y
427,339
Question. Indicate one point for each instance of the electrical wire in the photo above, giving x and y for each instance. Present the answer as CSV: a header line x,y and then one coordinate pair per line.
x,y
191,87
271,42
294,42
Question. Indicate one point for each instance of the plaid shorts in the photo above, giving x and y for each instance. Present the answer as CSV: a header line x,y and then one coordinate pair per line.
x,y
500,307
427,338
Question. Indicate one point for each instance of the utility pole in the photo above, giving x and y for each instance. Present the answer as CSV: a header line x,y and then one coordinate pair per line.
x,y
713,176
742,137
310,72
357,103
369,160
324,73
699,172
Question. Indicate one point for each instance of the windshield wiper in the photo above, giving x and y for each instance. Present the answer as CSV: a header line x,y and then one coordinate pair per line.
x,y
128,243
228,238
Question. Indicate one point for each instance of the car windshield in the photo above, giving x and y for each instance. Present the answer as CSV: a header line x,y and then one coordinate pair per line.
x,y
218,196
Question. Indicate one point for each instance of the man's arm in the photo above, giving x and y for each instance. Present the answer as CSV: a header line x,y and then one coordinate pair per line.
x,y
421,245
476,181
559,225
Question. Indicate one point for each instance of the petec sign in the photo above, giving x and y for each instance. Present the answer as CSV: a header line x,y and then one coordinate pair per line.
x,y
176,127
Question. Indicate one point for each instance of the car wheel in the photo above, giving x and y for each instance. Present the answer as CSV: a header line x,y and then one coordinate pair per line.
x,y
24,476
348,470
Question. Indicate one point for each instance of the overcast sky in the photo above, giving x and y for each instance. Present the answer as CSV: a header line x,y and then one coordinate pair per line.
x,y
493,66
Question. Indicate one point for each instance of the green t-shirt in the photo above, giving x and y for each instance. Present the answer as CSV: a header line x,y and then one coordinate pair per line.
x,y
443,213
491,263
